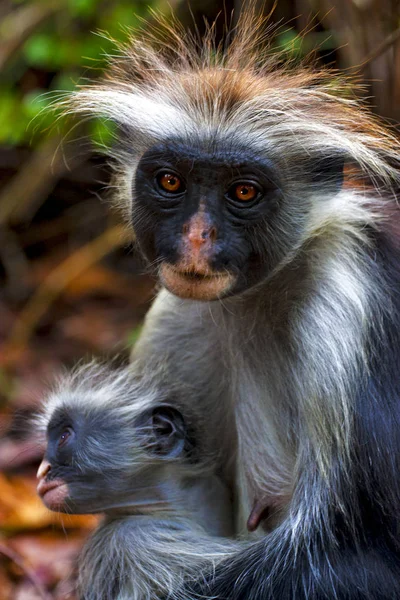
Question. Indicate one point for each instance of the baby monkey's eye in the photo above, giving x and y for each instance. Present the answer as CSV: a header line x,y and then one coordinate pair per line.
x,y
244,191
66,435
171,183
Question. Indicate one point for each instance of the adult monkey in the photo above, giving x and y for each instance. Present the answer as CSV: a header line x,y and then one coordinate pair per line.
x,y
282,268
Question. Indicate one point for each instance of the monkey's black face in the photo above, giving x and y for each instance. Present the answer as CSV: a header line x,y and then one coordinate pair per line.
x,y
197,213
73,474
216,220
96,462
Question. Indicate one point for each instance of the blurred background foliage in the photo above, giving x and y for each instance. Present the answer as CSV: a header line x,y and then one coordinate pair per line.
x,y
45,46
70,284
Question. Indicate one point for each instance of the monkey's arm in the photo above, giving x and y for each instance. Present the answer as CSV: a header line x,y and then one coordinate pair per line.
x,y
146,558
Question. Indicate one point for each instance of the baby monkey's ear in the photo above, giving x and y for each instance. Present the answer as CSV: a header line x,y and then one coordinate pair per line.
x,y
167,431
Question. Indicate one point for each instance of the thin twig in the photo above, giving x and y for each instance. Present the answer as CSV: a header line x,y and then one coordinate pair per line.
x,y
30,187
59,279
17,27
391,39
19,561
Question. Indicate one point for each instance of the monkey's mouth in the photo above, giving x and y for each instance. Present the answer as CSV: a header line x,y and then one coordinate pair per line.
x,y
53,493
195,285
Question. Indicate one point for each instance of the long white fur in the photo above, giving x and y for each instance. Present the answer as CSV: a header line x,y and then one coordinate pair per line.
x,y
146,113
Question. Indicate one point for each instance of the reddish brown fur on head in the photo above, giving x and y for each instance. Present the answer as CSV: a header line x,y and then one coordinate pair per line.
x,y
210,83
236,95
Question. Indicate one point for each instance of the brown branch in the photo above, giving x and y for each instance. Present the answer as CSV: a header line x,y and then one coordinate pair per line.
x,y
59,279
36,178
19,561
20,24
391,39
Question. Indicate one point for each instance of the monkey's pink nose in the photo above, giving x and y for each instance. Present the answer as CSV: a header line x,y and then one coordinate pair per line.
x,y
43,469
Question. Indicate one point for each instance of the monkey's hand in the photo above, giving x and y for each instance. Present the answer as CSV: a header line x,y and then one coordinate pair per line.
x,y
270,570
240,578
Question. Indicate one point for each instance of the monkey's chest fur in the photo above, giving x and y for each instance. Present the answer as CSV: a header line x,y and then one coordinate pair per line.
x,y
266,448
267,387
246,394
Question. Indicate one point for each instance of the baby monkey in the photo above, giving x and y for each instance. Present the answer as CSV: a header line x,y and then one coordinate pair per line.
x,y
135,450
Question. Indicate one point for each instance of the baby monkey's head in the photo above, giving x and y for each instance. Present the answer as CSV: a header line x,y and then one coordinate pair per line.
x,y
114,442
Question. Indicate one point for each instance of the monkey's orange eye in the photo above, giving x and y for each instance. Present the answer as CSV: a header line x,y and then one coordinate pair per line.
x,y
245,192
170,183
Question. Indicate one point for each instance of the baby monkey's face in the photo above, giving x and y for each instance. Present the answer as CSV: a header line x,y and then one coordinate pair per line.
x,y
102,459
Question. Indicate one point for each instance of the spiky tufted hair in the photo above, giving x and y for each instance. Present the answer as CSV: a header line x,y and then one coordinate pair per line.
x,y
125,394
234,91
93,386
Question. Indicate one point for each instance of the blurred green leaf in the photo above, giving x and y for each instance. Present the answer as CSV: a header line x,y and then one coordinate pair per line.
x,y
134,335
12,121
82,8
34,102
297,46
55,57
65,81
120,17
102,132
290,42
39,50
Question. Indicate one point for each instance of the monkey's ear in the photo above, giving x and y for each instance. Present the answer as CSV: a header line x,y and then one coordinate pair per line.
x,y
327,171
168,431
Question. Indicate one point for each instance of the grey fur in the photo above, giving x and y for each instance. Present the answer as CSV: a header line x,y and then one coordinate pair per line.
x,y
147,558
172,516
